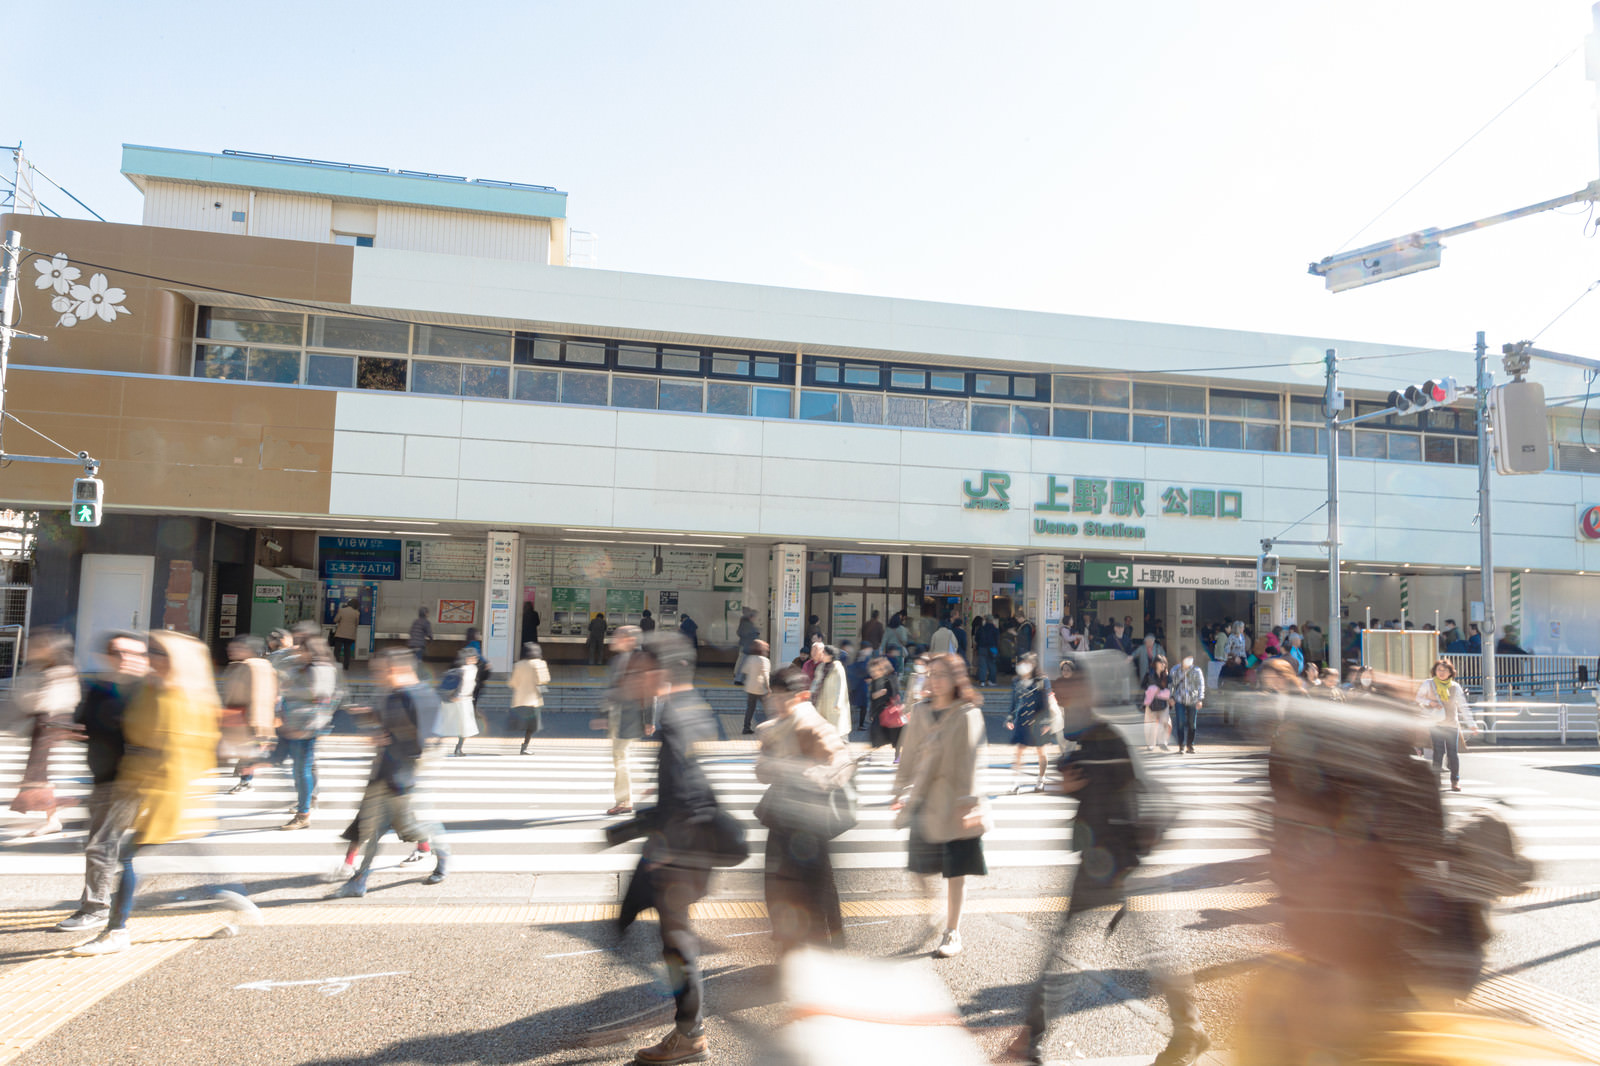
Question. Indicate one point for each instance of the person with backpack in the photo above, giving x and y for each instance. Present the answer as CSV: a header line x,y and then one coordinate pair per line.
x,y
457,716
1117,824
309,694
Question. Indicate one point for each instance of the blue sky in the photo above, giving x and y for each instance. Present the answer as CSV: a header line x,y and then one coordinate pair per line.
x,y
1163,161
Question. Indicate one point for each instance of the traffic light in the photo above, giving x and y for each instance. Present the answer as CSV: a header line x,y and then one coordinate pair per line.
x,y
1266,574
1521,427
88,501
1438,392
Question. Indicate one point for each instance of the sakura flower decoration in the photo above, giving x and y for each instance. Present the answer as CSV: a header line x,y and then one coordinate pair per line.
x,y
64,306
55,273
99,297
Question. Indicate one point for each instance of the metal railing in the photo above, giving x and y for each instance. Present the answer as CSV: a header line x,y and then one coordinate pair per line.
x,y
1534,721
1529,675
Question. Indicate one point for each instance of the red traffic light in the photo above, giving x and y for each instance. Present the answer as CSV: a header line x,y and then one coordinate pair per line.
x,y
1438,392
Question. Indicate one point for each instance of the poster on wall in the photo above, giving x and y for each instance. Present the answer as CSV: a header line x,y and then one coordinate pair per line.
x,y
454,560
458,612
729,574
846,620
411,564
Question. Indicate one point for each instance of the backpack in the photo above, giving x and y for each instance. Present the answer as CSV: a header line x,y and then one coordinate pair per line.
x,y
450,684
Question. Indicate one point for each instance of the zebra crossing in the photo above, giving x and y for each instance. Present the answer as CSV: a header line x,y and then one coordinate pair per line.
x,y
543,813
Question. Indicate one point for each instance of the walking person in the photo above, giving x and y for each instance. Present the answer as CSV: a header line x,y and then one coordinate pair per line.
x,y
872,630
528,679
249,707
896,641
421,633
1156,685
170,734
457,715
886,711
406,706
830,688
48,694
346,624
647,622
628,715
936,791
747,634
986,637
943,641
1441,697
757,681
1029,717
309,686
802,757
99,715
1188,696
597,639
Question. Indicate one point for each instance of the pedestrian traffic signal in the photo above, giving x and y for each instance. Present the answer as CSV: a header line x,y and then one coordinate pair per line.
x,y
1438,392
1266,574
88,501
1521,424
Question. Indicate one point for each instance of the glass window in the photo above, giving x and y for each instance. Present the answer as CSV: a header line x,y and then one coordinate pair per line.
x,y
1025,388
1403,421
1260,437
577,387
1186,399
224,362
680,359
1372,444
819,406
1227,404
773,403
1346,446
1070,423
1305,409
1467,451
331,371
1405,447
947,414
725,399
1148,397
463,343
1108,425
825,373
906,411
354,240
1307,440
901,378
1439,449
682,396
374,372
1261,405
1069,388
724,363
539,386
862,374
634,355
1149,429
252,327
630,391
769,367
589,353
1111,392
1467,421
489,382
1028,421
275,365
1368,407
1226,434
542,349
1190,432
863,407
992,384
991,417
441,378
361,334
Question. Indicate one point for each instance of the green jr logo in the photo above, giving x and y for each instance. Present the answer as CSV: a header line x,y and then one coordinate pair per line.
x,y
991,494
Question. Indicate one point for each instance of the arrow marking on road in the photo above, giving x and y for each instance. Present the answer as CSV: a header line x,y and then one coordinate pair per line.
x,y
328,986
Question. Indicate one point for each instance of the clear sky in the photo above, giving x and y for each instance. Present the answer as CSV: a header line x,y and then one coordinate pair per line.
x,y
1146,159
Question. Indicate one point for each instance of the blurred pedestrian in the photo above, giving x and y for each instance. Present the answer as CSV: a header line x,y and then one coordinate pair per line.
x,y
943,641
690,631
99,715
830,688
629,715
936,790
757,680
802,760
1029,716
457,715
346,626
47,694
528,679
422,632
856,668
170,730
1188,696
886,711
597,639
986,637
1445,704
896,641
249,707
309,684
647,622
1156,686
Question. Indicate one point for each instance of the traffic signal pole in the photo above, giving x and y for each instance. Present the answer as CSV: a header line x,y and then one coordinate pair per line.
x,y
1486,628
1332,405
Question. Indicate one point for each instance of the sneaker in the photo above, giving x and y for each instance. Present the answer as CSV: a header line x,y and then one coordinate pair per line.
x,y
417,855
1021,1049
81,921
107,943
676,1047
246,913
345,872
1184,1049
50,828
244,785
299,821
621,808
949,945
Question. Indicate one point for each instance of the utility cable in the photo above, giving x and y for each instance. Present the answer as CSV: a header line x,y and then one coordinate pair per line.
x,y
1308,514
69,195
37,433
1564,311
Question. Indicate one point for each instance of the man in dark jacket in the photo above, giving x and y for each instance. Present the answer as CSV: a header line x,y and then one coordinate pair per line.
x,y
872,632
597,639
110,814
987,637
675,869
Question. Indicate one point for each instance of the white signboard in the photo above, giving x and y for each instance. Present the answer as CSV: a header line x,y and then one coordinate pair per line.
x,y
1162,576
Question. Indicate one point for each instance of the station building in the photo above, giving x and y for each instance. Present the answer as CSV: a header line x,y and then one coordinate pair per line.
x,y
309,381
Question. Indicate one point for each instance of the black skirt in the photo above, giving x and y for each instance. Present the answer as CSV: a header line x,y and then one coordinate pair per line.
x,y
953,858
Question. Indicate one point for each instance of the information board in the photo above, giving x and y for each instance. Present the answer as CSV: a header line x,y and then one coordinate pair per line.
x,y
453,560
369,558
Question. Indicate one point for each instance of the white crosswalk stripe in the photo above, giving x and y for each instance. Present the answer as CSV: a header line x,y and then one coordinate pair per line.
x,y
542,813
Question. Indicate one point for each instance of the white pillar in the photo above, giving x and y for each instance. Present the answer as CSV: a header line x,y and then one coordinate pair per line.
x,y
786,625
1182,636
977,598
1043,597
502,599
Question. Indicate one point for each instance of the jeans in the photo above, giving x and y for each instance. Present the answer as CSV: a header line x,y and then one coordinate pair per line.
x,y
110,815
1447,745
1185,717
382,809
303,753
988,666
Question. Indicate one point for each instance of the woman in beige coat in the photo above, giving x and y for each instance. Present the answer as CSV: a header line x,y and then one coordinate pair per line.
x,y
936,789
528,679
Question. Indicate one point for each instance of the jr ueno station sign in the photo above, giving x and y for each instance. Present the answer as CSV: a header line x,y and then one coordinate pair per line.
x,y
1102,508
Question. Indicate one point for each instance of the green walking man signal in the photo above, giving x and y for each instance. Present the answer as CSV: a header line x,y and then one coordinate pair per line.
x,y
1266,574
88,501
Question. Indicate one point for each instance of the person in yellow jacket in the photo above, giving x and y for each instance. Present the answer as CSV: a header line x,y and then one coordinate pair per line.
x,y
171,732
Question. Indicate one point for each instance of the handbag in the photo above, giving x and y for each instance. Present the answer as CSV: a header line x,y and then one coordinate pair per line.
x,y
893,715
799,805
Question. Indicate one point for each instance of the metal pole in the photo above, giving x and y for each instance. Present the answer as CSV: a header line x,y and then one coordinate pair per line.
x,y
9,265
1333,404
1485,529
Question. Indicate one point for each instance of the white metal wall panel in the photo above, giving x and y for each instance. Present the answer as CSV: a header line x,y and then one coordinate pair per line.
x,y
179,206
416,229
290,217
